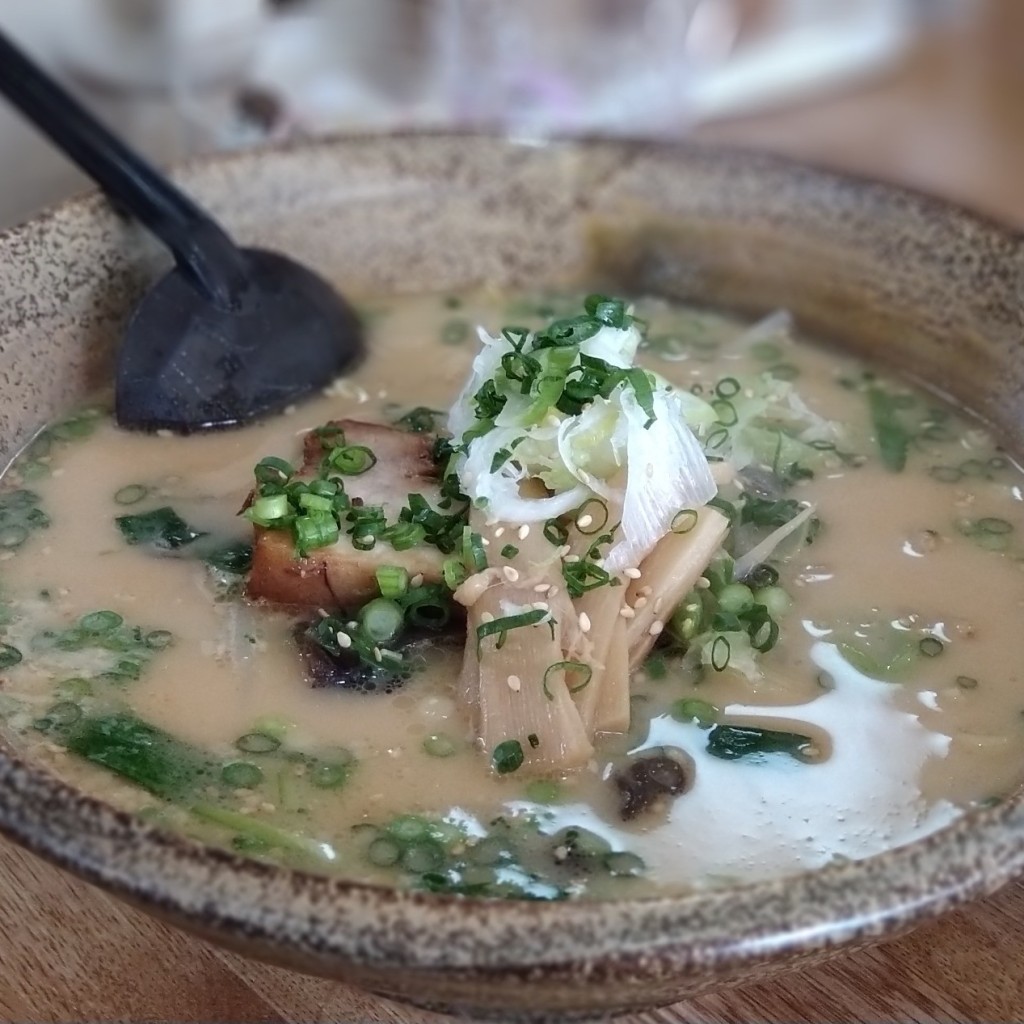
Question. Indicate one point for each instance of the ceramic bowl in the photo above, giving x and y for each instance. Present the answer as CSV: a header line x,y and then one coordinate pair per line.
x,y
927,288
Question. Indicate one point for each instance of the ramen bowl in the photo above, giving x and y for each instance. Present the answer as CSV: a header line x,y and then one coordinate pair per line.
x,y
913,283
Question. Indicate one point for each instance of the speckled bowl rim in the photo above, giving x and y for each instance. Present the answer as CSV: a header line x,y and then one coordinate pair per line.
x,y
357,922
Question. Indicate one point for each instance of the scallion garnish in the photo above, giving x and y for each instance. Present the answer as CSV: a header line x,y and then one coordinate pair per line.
x,y
555,532
684,520
130,494
352,460
454,572
576,668
500,627
591,517
507,757
721,651
9,656
392,581
930,646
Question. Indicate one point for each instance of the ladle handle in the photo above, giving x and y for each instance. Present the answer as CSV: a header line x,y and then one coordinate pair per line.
x,y
200,245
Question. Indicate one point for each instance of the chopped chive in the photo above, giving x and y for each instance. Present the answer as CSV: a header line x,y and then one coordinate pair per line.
x,y
392,581
383,852
351,460
12,536
509,551
577,668
9,656
132,494
257,743
966,682
930,647
684,520
721,651
507,757
382,619
241,775
454,572
691,709
329,774
158,639
502,625
591,517
727,387
439,744
100,622
555,533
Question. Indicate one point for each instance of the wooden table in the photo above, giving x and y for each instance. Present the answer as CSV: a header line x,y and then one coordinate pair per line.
x,y
949,119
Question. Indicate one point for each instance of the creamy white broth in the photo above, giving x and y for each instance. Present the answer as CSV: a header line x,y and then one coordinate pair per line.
x,y
899,758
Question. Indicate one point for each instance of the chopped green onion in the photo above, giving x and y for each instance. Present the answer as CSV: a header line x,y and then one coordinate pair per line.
x,y
690,709
507,757
439,744
420,420
383,852
721,651
382,619
727,387
12,536
9,656
158,639
100,622
132,494
454,573
232,558
509,551
271,510
473,553
555,533
329,774
423,855
502,625
352,460
315,530
684,520
591,517
241,775
257,743
577,668
930,646
624,864
402,536
272,470
966,682
392,580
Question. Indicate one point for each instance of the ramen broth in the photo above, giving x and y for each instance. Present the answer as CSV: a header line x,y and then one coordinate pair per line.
x,y
893,666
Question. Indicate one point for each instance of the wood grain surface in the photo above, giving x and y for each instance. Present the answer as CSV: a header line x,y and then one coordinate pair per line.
x,y
950,119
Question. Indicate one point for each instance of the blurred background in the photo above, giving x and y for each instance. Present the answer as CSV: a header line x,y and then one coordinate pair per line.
x,y
929,92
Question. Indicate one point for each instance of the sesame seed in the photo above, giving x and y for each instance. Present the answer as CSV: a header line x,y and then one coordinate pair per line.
x,y
644,591
524,531
486,617
563,550
656,628
572,558
702,583
632,573
584,521
626,612
486,543
377,656
367,538
542,588
511,574
639,603
499,531
658,602
552,591
541,606
514,683
417,580
584,622
344,640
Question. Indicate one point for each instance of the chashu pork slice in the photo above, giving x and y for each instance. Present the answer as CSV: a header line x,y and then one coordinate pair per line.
x,y
341,575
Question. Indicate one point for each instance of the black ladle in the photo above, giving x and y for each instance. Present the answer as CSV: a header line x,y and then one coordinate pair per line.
x,y
229,334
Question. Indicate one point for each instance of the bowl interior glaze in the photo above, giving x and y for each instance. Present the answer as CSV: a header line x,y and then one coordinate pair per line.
x,y
922,286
